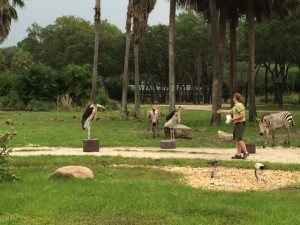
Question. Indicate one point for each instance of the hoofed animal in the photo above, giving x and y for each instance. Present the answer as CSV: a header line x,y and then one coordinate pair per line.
x,y
270,122
153,115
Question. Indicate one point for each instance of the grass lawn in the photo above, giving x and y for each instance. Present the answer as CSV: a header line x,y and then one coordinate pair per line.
x,y
61,129
134,195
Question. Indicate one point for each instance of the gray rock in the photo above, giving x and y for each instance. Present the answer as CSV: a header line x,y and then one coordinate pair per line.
x,y
180,131
80,172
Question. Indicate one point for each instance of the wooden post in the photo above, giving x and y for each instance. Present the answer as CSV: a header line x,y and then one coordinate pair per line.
x,y
91,145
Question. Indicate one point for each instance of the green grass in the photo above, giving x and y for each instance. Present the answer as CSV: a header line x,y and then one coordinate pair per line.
x,y
60,129
135,195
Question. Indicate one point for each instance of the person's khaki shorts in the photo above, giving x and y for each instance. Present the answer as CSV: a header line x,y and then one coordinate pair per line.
x,y
238,131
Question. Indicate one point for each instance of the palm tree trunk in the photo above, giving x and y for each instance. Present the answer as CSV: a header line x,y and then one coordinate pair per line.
x,y
222,33
233,57
251,80
172,98
137,101
126,60
96,50
215,117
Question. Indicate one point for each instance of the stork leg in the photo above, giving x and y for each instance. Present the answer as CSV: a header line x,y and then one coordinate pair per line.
x,y
89,131
172,133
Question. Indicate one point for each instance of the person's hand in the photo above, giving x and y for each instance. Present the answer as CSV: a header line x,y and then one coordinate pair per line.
x,y
219,111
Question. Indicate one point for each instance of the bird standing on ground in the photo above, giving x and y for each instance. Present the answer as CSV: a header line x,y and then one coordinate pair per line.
x,y
88,116
259,167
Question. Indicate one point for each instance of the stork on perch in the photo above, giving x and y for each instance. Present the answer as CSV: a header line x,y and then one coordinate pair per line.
x,y
171,123
171,120
88,116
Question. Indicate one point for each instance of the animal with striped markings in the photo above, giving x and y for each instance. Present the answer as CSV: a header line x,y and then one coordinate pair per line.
x,y
153,115
270,122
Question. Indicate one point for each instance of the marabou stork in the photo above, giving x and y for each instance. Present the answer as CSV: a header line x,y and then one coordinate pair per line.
x,y
169,125
90,114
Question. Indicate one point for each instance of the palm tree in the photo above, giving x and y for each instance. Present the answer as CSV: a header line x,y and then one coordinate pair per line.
x,y
96,50
125,75
211,10
251,65
7,13
172,55
141,10
259,10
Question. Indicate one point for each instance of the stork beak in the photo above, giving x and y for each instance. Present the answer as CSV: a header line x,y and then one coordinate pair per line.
x,y
100,106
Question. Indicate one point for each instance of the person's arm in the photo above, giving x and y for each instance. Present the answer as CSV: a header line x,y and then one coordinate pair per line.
x,y
224,111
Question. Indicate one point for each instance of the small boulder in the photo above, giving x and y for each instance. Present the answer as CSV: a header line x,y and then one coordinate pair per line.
x,y
80,172
224,135
182,131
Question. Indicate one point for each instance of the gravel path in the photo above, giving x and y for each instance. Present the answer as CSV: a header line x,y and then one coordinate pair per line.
x,y
275,155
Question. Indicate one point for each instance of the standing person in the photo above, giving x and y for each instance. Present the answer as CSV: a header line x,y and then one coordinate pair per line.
x,y
238,118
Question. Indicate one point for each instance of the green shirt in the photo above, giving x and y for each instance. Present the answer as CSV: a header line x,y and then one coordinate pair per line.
x,y
237,110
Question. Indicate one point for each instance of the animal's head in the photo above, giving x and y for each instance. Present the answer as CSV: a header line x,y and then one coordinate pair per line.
x,y
100,106
95,105
153,114
263,124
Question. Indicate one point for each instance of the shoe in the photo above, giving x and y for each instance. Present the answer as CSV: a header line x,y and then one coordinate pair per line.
x,y
237,157
245,155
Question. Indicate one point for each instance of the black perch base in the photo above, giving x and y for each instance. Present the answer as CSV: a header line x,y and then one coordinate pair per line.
x,y
91,145
167,144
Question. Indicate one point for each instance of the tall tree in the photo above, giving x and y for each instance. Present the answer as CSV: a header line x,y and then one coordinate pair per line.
x,y
216,12
215,117
141,10
126,60
172,16
251,65
96,51
8,13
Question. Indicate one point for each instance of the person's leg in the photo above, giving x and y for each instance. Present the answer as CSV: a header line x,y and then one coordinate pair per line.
x,y
238,147
241,146
239,129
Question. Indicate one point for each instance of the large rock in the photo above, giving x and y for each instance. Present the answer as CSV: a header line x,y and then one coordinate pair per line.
x,y
80,172
180,131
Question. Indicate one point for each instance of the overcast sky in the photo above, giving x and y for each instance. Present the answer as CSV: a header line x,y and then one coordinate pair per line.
x,y
45,12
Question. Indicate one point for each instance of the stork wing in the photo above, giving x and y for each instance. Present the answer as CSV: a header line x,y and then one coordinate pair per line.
x,y
170,115
87,113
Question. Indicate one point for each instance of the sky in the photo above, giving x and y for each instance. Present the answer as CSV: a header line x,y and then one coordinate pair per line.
x,y
45,12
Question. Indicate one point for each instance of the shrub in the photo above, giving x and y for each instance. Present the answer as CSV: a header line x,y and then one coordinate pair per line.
x,y
6,173
36,105
11,102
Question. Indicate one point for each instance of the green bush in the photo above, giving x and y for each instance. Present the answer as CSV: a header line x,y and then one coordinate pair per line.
x,y
7,82
36,105
11,102
6,173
